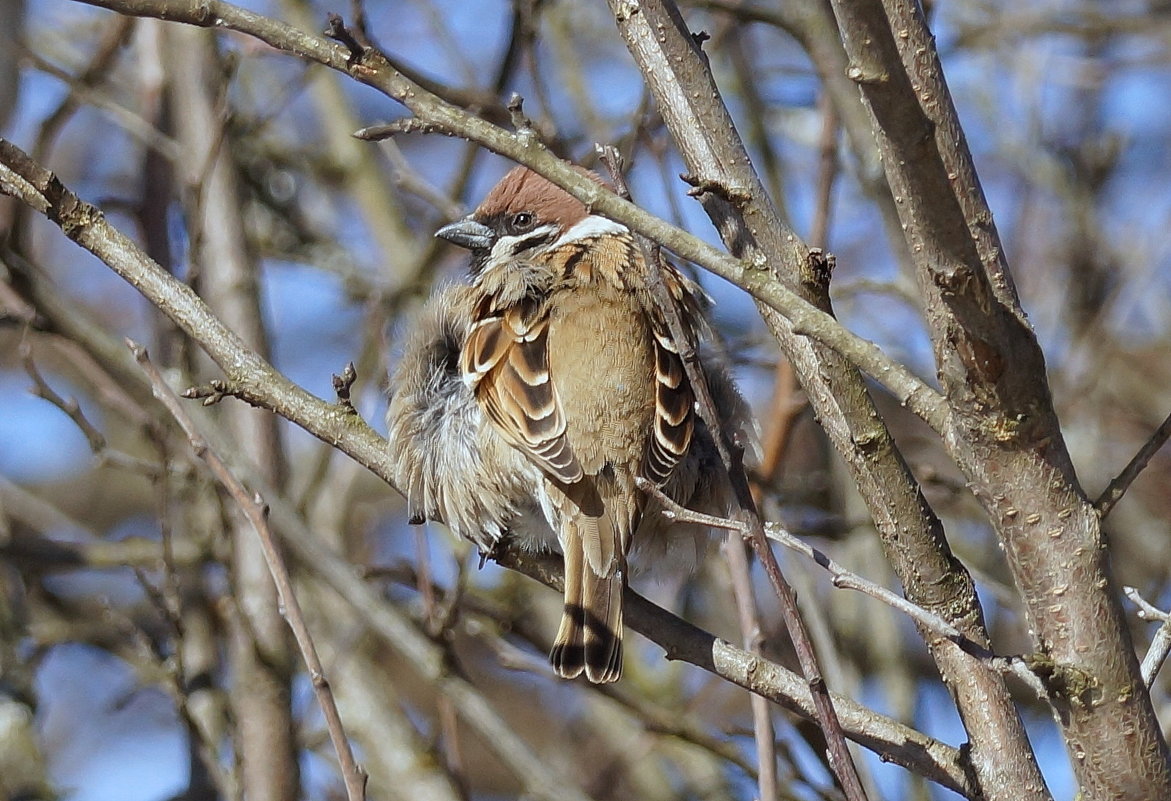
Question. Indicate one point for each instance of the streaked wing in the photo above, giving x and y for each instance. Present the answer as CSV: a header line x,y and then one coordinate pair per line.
x,y
506,361
674,412
674,396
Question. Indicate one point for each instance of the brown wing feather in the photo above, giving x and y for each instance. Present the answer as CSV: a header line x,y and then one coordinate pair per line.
x,y
674,412
506,361
674,396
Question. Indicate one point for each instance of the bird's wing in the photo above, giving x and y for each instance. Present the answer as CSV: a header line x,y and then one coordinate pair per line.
x,y
506,361
674,396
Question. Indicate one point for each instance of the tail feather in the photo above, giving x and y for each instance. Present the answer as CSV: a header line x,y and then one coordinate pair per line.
x,y
568,654
589,638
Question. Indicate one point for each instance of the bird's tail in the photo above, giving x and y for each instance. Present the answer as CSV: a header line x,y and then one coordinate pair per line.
x,y
589,639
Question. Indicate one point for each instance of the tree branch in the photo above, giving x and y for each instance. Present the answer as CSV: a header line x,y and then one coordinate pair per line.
x,y
374,70
1004,434
1121,483
260,384
913,539
256,511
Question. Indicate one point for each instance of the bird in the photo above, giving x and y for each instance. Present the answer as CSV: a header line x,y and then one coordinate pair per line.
x,y
529,401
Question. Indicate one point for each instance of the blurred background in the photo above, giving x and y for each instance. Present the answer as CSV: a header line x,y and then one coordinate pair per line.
x,y
124,590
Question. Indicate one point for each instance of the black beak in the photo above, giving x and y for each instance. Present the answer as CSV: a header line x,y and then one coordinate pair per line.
x,y
467,233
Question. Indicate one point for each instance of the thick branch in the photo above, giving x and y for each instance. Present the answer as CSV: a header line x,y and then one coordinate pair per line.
x,y
912,535
1005,435
523,147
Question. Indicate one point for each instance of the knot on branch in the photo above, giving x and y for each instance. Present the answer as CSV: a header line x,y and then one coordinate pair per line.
x,y
520,123
215,391
820,268
1066,683
336,29
704,186
861,75
956,280
341,386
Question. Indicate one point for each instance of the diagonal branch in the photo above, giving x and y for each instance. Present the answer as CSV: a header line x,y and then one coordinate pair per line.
x,y
257,382
523,147
1121,483
257,513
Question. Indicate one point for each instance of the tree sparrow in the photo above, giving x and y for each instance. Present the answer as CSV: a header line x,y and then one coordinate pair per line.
x,y
526,404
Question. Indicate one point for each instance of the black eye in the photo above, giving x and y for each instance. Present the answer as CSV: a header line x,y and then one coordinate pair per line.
x,y
522,221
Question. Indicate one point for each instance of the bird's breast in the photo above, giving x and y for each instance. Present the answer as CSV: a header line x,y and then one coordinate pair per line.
x,y
601,359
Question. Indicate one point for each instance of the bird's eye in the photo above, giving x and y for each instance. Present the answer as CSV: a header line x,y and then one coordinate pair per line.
x,y
522,221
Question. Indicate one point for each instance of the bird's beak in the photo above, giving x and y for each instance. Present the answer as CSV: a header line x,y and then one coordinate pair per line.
x,y
467,233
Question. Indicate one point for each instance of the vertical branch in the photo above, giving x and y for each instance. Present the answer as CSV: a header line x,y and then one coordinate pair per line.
x,y
840,759
746,613
1004,433
731,192
258,648
256,511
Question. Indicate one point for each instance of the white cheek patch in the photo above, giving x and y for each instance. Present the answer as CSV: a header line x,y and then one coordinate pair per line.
x,y
502,250
503,254
591,226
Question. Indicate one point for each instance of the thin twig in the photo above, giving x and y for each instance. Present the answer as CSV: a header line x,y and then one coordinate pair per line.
x,y
41,388
840,759
783,410
682,640
256,511
1121,483
746,612
845,579
827,147
1160,643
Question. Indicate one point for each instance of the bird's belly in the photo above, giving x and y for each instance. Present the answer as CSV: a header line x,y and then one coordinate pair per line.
x,y
601,358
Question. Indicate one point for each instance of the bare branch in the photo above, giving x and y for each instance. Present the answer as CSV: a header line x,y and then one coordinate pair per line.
x,y
1161,643
1121,483
682,640
257,513
523,147
1004,434
840,759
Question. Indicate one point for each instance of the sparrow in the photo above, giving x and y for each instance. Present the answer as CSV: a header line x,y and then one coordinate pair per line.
x,y
528,401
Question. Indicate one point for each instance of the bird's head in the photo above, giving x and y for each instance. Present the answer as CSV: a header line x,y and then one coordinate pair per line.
x,y
522,217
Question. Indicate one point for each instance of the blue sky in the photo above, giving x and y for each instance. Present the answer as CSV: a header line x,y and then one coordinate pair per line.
x,y
130,748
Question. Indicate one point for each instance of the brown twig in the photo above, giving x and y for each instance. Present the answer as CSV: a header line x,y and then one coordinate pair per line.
x,y
256,511
783,410
840,759
827,172
1121,483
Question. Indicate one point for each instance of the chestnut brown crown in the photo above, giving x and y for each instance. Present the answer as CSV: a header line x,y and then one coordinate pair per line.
x,y
523,215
